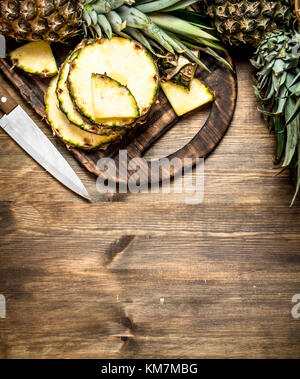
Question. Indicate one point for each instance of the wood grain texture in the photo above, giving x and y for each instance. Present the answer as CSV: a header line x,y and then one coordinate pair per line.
x,y
7,102
142,276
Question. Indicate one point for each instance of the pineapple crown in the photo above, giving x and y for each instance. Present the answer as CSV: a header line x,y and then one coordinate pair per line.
x,y
277,86
151,24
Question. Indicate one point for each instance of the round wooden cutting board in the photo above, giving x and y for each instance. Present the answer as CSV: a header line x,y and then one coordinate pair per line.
x,y
220,80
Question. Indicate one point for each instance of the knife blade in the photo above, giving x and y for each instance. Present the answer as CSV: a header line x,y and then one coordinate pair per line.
x,y
22,129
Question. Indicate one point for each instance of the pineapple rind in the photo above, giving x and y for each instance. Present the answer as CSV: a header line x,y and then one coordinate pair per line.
x,y
247,22
35,58
184,100
35,20
121,59
69,133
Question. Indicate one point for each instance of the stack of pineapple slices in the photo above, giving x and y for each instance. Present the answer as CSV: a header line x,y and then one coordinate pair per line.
x,y
103,88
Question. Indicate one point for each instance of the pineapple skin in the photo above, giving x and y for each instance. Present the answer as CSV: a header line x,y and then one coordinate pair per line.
x,y
34,20
242,22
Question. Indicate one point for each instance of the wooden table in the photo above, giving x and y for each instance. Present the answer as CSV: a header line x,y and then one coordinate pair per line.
x,y
148,276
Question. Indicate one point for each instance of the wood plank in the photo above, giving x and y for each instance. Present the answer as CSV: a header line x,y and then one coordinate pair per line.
x,y
147,276
70,218
128,300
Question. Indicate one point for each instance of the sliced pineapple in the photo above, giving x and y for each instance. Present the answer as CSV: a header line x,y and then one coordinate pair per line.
x,y
67,106
111,99
121,59
70,133
35,58
184,100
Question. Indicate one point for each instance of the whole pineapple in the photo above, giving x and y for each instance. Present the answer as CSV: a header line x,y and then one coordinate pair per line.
x,y
277,60
267,25
248,21
48,20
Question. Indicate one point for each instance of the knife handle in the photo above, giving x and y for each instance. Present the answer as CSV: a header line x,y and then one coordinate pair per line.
x,y
7,103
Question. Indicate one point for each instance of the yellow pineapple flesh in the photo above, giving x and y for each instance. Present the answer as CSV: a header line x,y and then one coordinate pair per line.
x,y
35,58
184,100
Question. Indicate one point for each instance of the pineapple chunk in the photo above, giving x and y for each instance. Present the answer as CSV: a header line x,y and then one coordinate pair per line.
x,y
184,100
35,58
70,133
111,99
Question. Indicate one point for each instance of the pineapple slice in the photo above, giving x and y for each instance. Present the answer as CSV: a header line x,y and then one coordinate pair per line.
x,y
121,59
111,99
70,133
35,58
184,100
67,106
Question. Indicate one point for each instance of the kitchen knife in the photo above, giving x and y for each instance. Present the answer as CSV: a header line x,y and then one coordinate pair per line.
x,y
19,126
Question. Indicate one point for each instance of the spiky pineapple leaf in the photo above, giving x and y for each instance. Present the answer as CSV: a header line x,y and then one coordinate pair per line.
x,y
297,166
292,133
